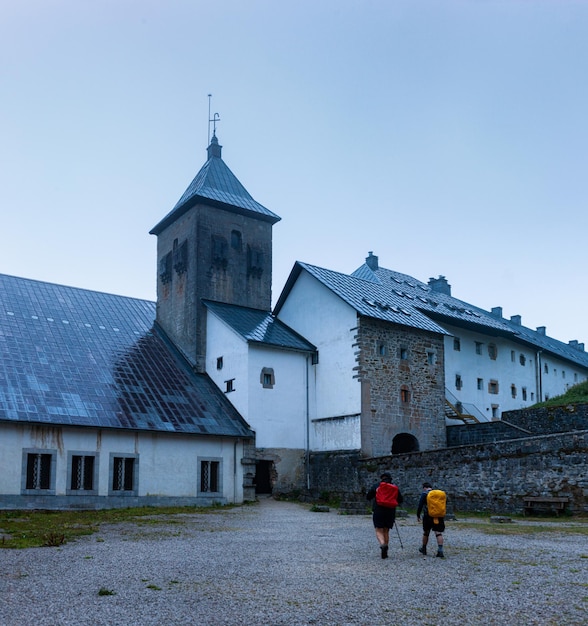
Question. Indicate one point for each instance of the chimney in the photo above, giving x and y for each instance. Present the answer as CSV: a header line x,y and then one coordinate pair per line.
x,y
516,319
496,311
372,261
440,285
574,343
542,330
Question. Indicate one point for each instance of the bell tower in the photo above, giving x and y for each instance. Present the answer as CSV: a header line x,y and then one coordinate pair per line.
x,y
215,244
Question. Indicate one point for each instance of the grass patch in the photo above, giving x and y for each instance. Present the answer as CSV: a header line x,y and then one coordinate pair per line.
x,y
526,529
36,529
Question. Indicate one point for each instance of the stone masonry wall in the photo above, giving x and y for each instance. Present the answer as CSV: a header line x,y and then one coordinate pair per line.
x,y
487,477
403,386
552,419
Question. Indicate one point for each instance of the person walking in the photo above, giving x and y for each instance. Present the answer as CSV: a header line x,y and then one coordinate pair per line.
x,y
434,522
386,497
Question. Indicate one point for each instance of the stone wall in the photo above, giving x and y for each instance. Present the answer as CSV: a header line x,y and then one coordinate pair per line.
x,y
552,419
491,477
403,386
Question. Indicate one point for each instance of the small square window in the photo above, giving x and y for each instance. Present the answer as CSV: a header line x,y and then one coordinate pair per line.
x,y
493,386
267,378
39,475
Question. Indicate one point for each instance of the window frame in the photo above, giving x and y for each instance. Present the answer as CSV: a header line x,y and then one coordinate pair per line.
x,y
215,462
70,491
134,491
35,491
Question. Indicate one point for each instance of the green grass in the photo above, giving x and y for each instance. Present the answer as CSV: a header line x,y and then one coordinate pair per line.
x,y
35,529
578,394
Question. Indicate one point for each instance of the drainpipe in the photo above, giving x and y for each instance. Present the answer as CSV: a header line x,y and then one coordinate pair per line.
x,y
539,377
237,441
307,453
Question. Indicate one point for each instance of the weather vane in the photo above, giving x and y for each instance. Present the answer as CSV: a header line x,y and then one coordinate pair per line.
x,y
214,119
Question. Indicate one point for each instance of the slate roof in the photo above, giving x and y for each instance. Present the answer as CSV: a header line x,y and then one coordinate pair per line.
x,y
400,298
82,358
216,184
256,326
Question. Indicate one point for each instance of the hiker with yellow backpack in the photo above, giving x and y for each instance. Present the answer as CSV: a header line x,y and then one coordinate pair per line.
x,y
432,505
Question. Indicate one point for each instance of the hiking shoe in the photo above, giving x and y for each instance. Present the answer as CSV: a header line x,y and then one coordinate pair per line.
x,y
440,555
423,551
384,550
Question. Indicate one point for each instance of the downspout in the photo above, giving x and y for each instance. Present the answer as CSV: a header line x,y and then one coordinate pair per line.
x,y
235,470
307,452
539,377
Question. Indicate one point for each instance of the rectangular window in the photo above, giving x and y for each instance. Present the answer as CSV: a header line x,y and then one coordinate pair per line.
x,y
82,472
513,391
124,474
458,381
219,363
513,356
480,383
456,344
479,347
403,354
493,386
524,393
492,351
229,385
431,358
38,471
210,476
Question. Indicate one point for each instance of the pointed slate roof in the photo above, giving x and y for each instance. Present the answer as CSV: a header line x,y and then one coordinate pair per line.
x,y
395,297
82,358
215,184
257,326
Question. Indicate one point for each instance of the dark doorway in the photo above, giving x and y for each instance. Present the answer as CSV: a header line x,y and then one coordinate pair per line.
x,y
263,477
404,442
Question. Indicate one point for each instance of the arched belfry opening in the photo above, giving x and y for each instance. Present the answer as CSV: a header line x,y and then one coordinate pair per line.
x,y
404,442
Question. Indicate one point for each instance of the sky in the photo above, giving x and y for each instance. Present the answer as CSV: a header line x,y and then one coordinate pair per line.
x,y
447,137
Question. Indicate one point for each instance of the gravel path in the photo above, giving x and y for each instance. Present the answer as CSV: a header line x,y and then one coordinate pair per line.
x,y
278,563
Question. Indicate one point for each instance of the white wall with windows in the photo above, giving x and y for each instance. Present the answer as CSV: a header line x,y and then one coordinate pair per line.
x,y
63,461
496,375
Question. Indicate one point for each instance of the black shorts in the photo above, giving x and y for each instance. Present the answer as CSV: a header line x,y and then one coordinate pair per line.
x,y
429,525
383,517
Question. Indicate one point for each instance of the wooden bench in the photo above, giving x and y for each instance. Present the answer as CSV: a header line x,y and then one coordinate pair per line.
x,y
545,503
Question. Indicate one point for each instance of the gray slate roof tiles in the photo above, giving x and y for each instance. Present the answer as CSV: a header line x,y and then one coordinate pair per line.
x,y
83,358
400,298
216,183
258,326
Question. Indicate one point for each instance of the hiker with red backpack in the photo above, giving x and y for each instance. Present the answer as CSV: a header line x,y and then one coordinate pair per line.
x,y
386,497
432,504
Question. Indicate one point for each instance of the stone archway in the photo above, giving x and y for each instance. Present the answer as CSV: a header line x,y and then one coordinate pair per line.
x,y
404,442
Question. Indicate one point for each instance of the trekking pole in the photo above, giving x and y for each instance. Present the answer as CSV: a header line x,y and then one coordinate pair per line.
x,y
398,533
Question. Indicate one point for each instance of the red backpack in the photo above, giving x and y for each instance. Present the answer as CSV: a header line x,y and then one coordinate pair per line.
x,y
387,495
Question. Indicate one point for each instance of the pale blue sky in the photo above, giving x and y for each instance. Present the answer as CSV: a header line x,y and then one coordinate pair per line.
x,y
448,137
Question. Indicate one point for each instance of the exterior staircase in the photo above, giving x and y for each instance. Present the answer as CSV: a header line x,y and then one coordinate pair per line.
x,y
457,410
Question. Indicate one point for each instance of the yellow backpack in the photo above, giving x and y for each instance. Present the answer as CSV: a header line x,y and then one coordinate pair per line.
x,y
436,504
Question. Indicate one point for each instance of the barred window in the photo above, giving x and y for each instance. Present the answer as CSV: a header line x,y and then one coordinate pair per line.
x,y
82,472
209,476
38,471
123,473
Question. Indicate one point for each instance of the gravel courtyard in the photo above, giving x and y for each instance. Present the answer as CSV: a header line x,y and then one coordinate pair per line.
x,y
277,563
